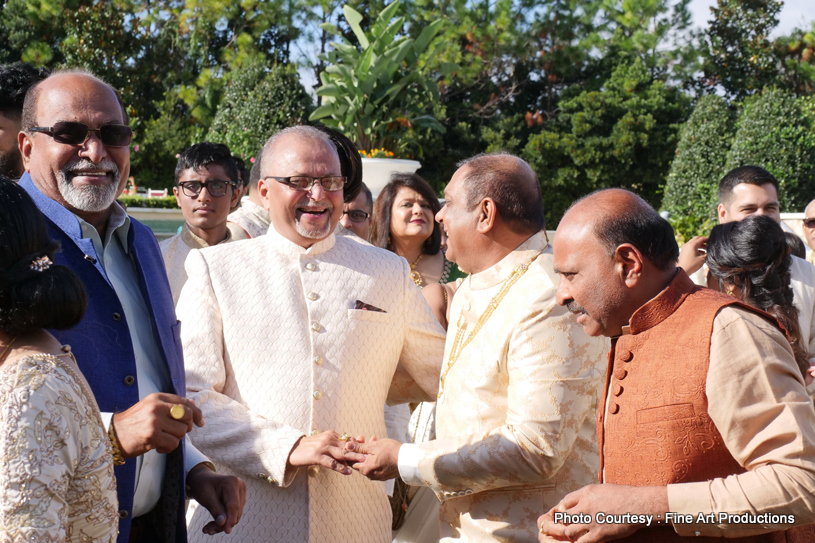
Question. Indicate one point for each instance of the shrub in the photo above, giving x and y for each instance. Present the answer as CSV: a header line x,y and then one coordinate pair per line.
x,y
691,190
774,132
259,101
167,202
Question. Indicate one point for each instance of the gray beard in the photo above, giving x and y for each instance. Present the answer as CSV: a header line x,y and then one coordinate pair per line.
x,y
92,199
313,234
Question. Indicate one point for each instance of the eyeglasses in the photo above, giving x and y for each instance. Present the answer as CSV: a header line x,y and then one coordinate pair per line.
x,y
71,133
303,183
809,222
214,188
356,215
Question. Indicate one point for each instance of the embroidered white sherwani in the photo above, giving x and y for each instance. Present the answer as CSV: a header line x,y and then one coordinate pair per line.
x,y
515,422
251,218
274,349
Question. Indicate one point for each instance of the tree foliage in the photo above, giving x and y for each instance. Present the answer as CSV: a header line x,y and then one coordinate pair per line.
x,y
621,136
258,102
691,190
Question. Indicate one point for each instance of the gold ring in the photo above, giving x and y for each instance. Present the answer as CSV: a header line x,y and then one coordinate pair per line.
x,y
177,411
345,436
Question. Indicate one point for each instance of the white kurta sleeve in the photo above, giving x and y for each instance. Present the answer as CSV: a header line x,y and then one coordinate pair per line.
x,y
417,375
233,435
553,376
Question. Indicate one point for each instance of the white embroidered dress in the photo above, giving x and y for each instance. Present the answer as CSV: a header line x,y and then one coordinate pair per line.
x,y
274,349
56,468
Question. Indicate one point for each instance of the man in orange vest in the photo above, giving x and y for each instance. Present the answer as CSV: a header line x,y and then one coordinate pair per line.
x,y
705,428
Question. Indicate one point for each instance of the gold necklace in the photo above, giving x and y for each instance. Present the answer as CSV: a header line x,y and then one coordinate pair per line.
x,y
3,354
414,273
459,343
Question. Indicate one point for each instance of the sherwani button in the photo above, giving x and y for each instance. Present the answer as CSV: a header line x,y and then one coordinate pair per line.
x,y
312,296
310,266
315,326
626,356
620,374
618,389
129,380
317,394
318,360
613,408
313,471
117,317
315,432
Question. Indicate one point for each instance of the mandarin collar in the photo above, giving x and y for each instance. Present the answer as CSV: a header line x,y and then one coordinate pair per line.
x,y
661,306
287,246
192,241
499,272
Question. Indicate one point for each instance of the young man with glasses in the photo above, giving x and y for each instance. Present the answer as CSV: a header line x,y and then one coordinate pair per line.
x,y
206,179
356,214
292,342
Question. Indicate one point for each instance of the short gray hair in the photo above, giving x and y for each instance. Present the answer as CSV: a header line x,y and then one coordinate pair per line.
x,y
301,131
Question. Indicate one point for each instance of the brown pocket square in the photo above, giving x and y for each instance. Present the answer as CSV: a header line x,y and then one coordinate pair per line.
x,y
367,307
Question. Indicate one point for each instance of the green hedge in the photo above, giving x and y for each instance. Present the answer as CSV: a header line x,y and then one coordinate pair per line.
x,y
154,203
692,187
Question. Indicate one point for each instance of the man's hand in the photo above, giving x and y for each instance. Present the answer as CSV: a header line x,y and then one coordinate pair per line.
x,y
223,496
148,424
381,463
325,450
607,499
693,254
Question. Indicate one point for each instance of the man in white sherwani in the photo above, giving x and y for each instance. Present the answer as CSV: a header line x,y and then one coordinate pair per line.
x,y
515,416
295,338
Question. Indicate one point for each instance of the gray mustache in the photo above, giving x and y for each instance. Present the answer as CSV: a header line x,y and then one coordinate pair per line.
x,y
106,165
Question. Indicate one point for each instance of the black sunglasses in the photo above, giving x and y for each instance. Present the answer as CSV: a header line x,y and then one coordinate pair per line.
x,y
303,183
71,133
809,222
356,215
214,187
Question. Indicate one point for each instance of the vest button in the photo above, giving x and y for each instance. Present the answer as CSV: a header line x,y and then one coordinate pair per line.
x,y
117,317
620,374
613,408
129,380
618,389
122,514
626,356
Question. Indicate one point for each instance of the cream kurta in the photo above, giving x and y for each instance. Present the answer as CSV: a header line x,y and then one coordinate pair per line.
x,y
515,424
274,349
174,251
253,219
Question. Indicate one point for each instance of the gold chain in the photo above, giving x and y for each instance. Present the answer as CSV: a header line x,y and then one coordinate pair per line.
x,y
459,343
414,273
10,343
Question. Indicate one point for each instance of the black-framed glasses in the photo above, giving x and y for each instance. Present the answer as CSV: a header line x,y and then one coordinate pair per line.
x,y
809,222
356,215
303,183
215,187
71,133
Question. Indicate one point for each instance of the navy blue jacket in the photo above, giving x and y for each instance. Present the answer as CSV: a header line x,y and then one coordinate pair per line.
x,y
101,343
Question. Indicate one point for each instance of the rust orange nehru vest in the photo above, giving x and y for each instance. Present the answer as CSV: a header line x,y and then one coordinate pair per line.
x,y
656,429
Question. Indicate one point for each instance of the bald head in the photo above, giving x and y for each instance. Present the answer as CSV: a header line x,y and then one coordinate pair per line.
x,y
80,81
617,216
511,184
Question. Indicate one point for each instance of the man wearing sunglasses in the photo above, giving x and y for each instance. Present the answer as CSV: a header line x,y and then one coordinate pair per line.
x,y
294,341
356,214
75,147
206,179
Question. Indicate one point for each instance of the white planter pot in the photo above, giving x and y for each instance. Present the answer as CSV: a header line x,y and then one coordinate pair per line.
x,y
376,172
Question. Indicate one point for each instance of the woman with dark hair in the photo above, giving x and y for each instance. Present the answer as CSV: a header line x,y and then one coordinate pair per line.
x,y
750,259
56,465
404,222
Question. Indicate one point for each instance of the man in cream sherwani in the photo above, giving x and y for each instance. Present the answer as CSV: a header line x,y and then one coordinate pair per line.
x,y
515,419
294,338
